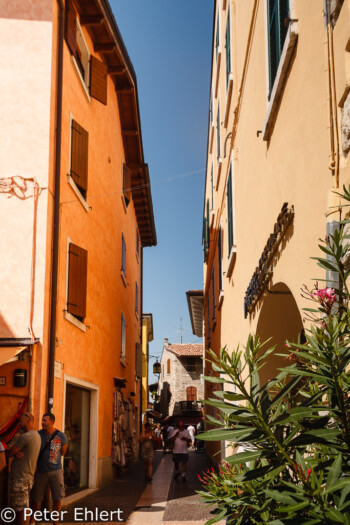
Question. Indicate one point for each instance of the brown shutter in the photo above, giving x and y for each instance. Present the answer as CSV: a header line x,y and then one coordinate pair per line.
x,y
77,279
168,366
126,183
79,156
138,360
70,30
98,80
191,393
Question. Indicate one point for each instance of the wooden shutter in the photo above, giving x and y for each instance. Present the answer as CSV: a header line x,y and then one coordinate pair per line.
x,y
77,280
70,29
123,256
98,80
138,360
191,392
126,184
79,156
168,366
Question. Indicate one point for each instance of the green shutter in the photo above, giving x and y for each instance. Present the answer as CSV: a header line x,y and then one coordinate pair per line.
x,y
217,42
218,132
278,12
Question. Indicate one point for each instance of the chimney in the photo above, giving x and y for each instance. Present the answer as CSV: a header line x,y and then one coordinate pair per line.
x,y
166,341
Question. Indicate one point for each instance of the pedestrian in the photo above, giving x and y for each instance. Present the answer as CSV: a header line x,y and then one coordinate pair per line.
x,y
49,470
169,443
191,430
2,457
181,439
25,453
158,433
147,441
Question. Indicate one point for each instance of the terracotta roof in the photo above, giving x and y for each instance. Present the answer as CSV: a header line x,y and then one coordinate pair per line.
x,y
185,349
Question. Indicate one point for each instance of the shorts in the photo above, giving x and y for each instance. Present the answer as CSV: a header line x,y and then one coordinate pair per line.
x,y
19,493
53,478
180,458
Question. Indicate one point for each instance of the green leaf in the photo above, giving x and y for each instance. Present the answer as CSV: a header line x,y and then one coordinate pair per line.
x,y
280,497
294,508
335,515
243,457
297,413
344,482
213,379
334,471
224,434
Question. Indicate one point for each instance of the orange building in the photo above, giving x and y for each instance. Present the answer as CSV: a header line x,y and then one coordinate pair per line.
x,y
76,212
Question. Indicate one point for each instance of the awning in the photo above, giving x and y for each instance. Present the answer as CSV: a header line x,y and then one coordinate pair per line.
x,y
10,347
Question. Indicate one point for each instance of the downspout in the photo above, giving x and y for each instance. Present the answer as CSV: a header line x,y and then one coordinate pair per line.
x,y
141,329
54,283
333,201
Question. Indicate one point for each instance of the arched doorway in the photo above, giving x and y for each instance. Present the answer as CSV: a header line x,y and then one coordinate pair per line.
x,y
279,320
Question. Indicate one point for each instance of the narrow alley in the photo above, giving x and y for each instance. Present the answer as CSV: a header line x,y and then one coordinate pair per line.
x,y
165,500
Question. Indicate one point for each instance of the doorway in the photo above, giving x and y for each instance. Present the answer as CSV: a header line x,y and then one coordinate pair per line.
x,y
77,429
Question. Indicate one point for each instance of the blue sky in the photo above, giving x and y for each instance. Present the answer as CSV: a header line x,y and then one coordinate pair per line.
x,y
169,43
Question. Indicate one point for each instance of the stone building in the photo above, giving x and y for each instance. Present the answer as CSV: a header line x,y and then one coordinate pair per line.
x,y
180,387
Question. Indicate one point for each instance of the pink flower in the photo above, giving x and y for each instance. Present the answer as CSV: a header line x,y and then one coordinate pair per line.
x,y
325,295
308,474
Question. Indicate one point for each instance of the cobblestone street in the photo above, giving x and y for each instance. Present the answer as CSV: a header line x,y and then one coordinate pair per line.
x,y
165,500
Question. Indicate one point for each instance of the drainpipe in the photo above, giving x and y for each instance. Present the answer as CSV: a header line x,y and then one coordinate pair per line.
x,y
54,283
333,200
141,329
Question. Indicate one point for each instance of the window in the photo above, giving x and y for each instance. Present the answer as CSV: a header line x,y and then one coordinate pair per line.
x,y
168,366
123,269
212,186
123,337
228,49
213,290
230,212
79,157
206,238
92,72
208,315
218,132
136,298
191,364
77,281
126,185
220,258
191,393
277,12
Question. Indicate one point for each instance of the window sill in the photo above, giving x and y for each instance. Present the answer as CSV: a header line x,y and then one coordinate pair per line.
x,y
123,361
282,71
69,317
77,193
231,262
221,299
123,277
218,62
85,89
228,98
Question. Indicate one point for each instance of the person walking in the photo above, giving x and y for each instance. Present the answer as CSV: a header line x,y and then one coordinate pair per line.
x,y
25,453
49,471
147,441
181,439
169,443
191,430
158,433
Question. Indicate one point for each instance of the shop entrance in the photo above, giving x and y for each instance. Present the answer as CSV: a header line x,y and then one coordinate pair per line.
x,y
279,320
77,429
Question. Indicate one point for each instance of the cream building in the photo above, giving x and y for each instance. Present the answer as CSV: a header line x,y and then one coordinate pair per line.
x,y
278,144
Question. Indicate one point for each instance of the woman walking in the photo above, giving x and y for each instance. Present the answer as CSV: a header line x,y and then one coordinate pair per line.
x,y
147,440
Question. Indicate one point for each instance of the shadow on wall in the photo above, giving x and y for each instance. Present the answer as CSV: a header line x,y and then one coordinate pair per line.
x,y
279,321
164,401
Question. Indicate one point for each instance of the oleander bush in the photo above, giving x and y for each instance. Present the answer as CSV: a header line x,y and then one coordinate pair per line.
x,y
293,433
